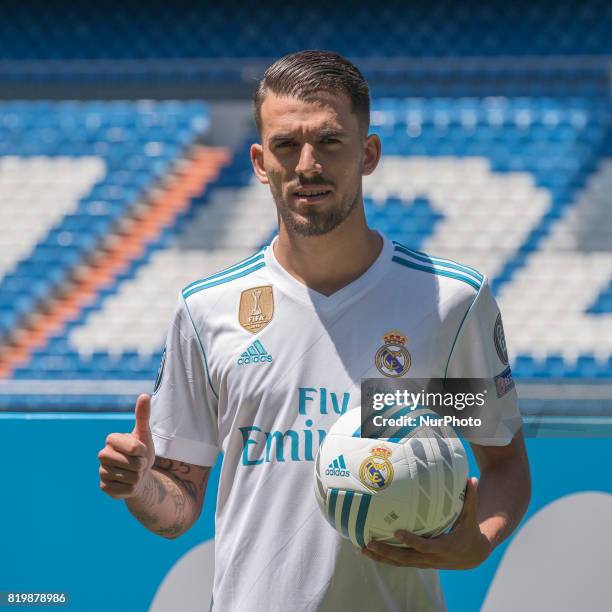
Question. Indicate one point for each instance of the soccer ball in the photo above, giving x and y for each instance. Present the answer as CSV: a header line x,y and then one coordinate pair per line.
x,y
413,479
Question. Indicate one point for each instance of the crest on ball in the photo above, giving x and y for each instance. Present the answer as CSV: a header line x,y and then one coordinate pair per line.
x,y
376,471
393,359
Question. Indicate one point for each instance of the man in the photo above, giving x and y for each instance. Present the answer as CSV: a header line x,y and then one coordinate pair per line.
x,y
263,357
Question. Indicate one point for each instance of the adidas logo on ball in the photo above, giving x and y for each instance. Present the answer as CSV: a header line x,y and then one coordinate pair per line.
x,y
337,467
413,477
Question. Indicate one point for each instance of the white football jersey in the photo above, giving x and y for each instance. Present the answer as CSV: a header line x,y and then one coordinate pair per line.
x,y
259,367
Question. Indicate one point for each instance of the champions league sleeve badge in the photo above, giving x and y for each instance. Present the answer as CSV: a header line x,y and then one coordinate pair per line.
x,y
393,359
500,340
256,308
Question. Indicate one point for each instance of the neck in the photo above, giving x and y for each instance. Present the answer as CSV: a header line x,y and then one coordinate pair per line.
x,y
329,262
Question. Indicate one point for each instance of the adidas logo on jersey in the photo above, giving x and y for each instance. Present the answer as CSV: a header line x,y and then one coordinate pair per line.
x,y
337,467
256,353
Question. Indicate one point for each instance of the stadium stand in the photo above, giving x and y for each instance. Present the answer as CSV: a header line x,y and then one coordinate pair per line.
x,y
133,30
405,49
125,175
114,205
119,174
500,184
522,186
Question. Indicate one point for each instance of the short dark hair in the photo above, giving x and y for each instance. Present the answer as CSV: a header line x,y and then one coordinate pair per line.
x,y
304,74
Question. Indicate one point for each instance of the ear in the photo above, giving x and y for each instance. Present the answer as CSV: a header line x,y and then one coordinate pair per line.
x,y
373,149
257,161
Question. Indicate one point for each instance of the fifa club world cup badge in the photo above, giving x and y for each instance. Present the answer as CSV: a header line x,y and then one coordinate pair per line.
x,y
256,308
376,471
393,359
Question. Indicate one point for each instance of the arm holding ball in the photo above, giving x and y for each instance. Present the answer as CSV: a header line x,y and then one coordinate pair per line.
x,y
493,508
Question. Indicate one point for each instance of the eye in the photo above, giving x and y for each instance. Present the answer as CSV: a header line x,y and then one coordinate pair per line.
x,y
285,144
330,140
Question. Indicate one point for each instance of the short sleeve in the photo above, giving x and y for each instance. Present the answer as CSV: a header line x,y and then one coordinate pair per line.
x,y
480,351
184,406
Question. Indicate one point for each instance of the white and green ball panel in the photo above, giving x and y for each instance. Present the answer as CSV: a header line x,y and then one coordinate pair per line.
x,y
347,512
431,469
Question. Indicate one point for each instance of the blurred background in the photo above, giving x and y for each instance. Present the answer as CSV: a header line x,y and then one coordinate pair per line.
x,y
124,175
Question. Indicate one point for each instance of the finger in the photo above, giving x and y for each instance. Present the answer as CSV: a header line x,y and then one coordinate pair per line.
x,y
110,456
470,503
127,444
117,490
112,474
399,556
379,558
419,543
142,414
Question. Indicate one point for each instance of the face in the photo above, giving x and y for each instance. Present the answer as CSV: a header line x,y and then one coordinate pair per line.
x,y
313,155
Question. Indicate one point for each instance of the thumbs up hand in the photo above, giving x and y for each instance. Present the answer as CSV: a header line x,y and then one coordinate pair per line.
x,y
127,457
141,430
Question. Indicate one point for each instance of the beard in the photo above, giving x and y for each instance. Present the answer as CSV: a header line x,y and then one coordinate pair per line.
x,y
313,222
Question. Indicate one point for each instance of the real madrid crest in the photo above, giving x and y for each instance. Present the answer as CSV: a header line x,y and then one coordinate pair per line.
x,y
256,308
376,471
393,359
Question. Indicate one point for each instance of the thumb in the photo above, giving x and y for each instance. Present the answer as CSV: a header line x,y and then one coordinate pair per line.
x,y
141,429
470,502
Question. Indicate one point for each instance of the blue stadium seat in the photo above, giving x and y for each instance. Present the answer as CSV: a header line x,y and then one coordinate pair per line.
x,y
444,29
74,129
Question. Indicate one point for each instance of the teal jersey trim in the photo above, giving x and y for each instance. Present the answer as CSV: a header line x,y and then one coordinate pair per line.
x,y
238,266
438,271
459,331
225,279
447,263
202,349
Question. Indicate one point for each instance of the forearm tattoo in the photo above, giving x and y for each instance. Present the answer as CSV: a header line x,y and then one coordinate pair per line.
x,y
171,490
148,494
181,472
178,525
161,490
146,519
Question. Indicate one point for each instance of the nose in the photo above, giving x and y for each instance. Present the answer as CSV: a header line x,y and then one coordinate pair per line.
x,y
308,164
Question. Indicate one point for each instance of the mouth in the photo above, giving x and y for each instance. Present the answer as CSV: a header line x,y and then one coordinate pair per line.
x,y
311,195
